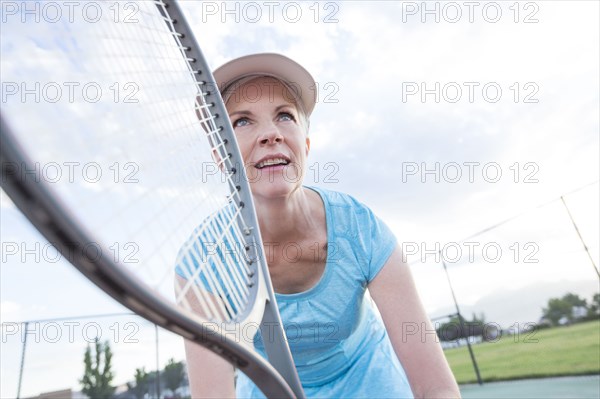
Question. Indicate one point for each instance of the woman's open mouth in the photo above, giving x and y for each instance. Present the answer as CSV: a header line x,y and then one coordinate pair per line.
x,y
272,163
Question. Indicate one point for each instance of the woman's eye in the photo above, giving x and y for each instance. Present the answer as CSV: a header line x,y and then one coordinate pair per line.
x,y
240,122
286,116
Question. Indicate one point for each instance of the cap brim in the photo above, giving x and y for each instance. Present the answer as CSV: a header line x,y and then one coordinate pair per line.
x,y
270,64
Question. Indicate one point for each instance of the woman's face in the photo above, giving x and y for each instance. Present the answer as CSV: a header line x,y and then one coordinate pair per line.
x,y
271,136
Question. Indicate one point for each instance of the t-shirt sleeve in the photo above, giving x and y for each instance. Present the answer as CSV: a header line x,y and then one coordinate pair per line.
x,y
381,243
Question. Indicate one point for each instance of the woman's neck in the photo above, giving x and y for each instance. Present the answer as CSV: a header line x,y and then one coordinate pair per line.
x,y
288,218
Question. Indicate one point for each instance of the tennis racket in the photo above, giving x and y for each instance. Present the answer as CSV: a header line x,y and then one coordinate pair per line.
x,y
103,150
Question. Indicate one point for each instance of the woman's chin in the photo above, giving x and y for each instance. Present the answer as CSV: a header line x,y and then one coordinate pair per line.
x,y
276,188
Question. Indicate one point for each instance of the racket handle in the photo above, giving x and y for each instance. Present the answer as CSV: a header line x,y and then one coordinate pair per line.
x,y
278,350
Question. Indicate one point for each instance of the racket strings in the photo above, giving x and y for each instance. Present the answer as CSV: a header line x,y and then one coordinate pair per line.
x,y
165,170
225,275
230,281
223,283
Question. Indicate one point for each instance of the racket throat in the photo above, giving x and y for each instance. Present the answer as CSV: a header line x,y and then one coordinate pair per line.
x,y
277,348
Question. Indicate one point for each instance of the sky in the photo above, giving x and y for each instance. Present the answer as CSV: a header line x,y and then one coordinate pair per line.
x,y
445,120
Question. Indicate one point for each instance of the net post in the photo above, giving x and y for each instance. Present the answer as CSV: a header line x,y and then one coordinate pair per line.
x,y
587,251
462,325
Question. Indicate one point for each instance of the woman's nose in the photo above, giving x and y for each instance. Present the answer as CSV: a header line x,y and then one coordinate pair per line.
x,y
271,135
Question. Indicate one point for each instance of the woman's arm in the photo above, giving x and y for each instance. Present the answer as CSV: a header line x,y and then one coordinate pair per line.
x,y
210,376
411,333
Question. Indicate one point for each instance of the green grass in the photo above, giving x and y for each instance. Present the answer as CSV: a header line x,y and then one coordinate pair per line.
x,y
558,351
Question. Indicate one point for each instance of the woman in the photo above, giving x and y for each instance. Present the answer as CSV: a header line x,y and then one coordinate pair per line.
x,y
341,348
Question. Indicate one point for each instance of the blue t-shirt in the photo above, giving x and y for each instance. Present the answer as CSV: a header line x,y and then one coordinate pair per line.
x,y
340,346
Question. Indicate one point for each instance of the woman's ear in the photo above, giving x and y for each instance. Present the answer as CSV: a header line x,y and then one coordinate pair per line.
x,y
307,145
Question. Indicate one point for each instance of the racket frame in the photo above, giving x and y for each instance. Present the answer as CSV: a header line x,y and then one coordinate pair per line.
x,y
276,346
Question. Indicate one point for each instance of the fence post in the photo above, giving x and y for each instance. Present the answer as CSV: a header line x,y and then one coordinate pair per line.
x,y
25,325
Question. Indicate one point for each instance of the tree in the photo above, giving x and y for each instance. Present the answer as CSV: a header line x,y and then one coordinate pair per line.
x,y
594,308
559,308
556,310
97,377
173,374
142,381
454,329
574,300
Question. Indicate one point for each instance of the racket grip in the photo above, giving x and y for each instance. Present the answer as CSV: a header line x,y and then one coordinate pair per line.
x,y
277,348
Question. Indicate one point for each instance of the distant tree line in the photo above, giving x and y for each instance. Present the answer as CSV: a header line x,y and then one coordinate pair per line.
x,y
458,327
569,309
172,377
97,380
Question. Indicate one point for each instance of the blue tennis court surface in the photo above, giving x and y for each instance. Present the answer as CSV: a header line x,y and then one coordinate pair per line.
x,y
544,388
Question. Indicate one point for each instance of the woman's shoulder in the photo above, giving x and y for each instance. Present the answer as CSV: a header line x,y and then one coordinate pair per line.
x,y
339,199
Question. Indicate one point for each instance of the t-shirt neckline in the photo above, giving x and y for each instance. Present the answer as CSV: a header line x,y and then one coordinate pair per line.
x,y
325,275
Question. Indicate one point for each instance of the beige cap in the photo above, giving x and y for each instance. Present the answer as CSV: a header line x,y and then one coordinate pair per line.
x,y
298,79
